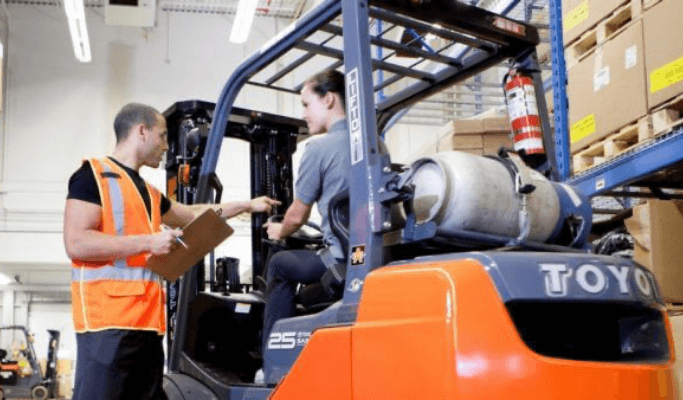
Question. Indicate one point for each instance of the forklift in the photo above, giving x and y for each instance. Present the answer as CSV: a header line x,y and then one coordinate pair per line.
x,y
484,288
13,384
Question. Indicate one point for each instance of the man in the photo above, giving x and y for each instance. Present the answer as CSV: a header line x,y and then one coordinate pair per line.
x,y
112,223
323,172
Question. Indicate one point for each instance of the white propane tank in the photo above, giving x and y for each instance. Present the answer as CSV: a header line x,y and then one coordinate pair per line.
x,y
463,191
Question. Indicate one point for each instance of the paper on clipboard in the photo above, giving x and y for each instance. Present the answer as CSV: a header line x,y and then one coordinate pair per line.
x,y
201,235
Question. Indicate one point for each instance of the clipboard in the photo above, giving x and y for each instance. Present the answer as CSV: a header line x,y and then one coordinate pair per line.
x,y
201,235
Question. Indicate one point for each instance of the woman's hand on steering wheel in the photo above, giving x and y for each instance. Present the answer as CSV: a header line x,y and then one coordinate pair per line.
x,y
274,230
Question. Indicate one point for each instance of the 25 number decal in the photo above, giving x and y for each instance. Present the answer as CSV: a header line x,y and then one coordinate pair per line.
x,y
282,340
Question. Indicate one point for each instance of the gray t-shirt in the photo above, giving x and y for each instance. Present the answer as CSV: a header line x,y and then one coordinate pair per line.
x,y
324,172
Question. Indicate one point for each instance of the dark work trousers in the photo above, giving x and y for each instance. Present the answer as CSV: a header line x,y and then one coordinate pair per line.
x,y
286,270
119,364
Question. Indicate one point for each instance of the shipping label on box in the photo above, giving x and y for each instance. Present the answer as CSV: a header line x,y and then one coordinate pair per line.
x,y
664,51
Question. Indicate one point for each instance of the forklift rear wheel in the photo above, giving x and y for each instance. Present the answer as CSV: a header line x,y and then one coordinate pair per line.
x,y
39,392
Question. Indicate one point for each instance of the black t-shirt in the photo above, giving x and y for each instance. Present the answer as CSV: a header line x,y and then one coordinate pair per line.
x,y
83,186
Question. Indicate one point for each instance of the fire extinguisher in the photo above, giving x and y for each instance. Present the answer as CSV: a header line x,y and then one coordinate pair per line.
x,y
520,98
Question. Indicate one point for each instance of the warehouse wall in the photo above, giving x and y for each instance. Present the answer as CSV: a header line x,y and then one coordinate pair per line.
x,y
60,110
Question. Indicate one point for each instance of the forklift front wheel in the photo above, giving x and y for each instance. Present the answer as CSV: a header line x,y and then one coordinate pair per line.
x,y
39,392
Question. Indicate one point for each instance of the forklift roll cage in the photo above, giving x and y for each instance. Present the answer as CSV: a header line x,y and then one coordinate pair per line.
x,y
487,39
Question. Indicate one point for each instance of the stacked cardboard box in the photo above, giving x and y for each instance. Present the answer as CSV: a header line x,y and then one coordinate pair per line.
x,y
476,136
664,51
657,229
606,89
631,79
606,62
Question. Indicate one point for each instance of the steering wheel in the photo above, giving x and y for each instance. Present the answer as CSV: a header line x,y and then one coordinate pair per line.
x,y
309,234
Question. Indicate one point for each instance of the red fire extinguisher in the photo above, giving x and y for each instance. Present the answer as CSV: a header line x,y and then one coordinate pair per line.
x,y
520,98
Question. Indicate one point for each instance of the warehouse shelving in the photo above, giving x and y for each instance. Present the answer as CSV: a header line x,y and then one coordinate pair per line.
x,y
657,164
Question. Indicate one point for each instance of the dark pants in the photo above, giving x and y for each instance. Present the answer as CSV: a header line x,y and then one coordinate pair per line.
x,y
286,270
119,364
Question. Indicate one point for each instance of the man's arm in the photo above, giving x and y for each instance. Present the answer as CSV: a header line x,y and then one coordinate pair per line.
x,y
179,215
84,242
297,215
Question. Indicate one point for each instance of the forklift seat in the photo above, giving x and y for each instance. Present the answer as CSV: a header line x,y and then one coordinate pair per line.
x,y
317,296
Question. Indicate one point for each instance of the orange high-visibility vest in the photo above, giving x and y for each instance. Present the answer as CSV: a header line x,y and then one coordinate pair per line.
x,y
122,293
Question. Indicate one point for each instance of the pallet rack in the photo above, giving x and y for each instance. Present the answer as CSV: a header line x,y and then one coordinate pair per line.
x,y
656,164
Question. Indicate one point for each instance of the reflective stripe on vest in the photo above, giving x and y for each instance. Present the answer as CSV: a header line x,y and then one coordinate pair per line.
x,y
119,272
116,195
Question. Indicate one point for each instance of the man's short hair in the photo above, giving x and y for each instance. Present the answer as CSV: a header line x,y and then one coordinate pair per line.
x,y
131,115
329,80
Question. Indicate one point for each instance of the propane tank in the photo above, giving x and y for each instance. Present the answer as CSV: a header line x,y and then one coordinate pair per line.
x,y
462,191
520,97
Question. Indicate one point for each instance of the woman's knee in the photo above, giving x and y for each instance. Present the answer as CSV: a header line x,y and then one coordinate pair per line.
x,y
277,264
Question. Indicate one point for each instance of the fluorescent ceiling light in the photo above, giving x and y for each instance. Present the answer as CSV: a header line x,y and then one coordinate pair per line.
x,y
246,9
75,14
5,280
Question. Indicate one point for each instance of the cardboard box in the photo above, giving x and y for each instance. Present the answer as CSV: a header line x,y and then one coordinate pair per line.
x,y
664,51
657,229
469,126
650,3
581,15
605,89
483,135
460,142
494,141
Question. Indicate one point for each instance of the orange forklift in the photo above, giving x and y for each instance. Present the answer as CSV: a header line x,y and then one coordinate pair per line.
x,y
483,287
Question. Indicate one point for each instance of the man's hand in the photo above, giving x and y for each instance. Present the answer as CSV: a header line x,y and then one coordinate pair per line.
x,y
274,230
262,204
162,243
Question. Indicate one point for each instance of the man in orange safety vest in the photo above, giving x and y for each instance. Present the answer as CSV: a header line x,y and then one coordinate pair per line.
x,y
112,223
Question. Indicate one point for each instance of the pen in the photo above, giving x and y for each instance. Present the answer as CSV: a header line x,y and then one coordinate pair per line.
x,y
179,240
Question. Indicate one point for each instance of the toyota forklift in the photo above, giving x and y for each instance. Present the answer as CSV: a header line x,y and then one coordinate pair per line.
x,y
482,287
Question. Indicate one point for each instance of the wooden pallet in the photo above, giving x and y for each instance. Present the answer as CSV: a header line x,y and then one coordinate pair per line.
x,y
618,21
674,309
668,116
617,143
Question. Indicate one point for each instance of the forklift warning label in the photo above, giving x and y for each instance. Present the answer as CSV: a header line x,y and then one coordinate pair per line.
x,y
352,94
358,255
